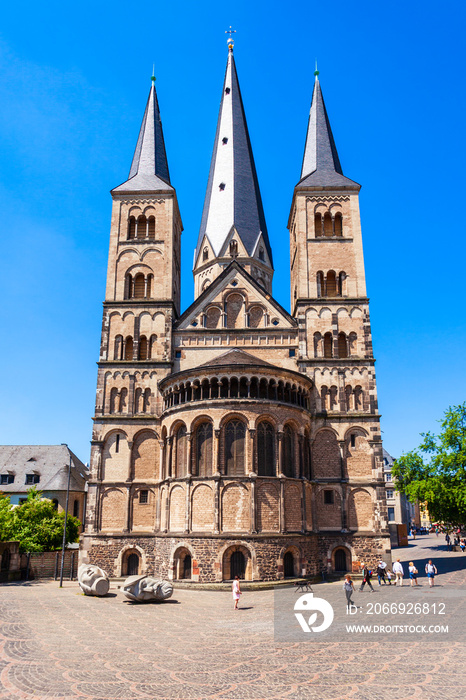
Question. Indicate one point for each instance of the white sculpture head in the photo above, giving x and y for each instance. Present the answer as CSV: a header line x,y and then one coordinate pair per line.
x,y
93,580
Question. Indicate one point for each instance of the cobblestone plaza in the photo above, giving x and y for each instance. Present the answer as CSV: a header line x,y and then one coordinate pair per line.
x,y
60,644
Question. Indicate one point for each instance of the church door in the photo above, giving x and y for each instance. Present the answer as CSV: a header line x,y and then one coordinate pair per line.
x,y
237,565
133,565
187,566
288,565
340,560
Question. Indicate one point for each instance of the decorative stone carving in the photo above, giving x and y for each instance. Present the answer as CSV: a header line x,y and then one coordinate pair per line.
x,y
142,589
93,580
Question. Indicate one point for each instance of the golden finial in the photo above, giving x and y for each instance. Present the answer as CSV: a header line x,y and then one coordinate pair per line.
x,y
230,40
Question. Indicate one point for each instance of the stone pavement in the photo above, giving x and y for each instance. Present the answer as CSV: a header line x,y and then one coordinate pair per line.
x,y
60,644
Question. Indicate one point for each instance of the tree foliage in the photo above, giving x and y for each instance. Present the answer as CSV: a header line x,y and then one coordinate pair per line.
x,y
435,472
35,524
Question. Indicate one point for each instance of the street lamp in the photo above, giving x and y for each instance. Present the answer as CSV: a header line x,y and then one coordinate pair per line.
x,y
66,518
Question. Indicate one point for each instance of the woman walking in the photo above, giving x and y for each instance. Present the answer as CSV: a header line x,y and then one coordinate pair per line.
x,y
236,590
413,574
348,587
431,571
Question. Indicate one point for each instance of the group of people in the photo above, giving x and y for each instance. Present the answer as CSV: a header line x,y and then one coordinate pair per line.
x,y
385,576
456,542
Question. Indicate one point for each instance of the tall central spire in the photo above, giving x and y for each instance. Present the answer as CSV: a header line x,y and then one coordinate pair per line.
x,y
233,201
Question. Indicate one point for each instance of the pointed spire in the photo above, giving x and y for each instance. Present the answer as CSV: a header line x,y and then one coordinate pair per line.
x,y
149,169
321,164
233,197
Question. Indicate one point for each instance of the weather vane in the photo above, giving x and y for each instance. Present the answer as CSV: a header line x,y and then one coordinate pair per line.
x,y
230,40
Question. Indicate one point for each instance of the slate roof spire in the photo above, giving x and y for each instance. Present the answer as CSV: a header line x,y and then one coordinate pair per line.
x,y
149,169
321,164
233,197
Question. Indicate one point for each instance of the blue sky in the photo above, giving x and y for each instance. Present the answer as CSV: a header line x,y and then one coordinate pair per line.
x,y
74,81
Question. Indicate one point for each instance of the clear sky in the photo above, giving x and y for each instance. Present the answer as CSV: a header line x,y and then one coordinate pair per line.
x,y
74,81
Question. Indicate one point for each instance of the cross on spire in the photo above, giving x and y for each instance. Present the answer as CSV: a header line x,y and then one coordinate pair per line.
x,y
230,40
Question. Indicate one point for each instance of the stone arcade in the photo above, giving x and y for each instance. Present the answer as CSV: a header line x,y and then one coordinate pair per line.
x,y
235,438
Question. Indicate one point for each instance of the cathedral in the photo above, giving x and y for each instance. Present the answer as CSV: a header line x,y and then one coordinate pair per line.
x,y
235,437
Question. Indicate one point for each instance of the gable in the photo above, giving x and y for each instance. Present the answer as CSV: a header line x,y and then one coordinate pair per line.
x,y
235,301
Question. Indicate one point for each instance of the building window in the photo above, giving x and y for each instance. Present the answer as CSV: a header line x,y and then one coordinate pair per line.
x,y
328,497
204,450
205,254
388,476
7,478
32,478
76,508
288,452
265,449
261,254
291,353
391,514
235,437
178,354
389,493
117,443
144,496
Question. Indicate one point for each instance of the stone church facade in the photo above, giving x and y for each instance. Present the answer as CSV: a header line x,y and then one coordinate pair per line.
x,y
235,438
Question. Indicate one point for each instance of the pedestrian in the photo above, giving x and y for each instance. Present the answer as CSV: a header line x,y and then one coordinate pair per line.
x,y
399,572
389,576
413,574
348,587
367,575
381,566
463,545
456,541
236,590
431,571
436,531
447,540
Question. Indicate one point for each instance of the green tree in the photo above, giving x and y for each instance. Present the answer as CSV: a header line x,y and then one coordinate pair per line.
x,y
6,518
435,472
38,526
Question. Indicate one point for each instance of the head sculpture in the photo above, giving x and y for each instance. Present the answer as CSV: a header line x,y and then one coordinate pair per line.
x,y
145,588
93,580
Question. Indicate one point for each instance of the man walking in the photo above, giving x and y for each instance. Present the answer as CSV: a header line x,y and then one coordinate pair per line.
x,y
431,571
381,566
399,572
367,575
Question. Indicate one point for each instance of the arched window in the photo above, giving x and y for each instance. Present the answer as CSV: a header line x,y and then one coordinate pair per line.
x,y
256,314
152,346
118,347
328,345
320,284
123,397
234,307
137,400
324,395
333,398
342,345
212,317
131,228
113,400
331,284
349,397
141,228
139,286
128,286
235,439
265,449
233,249
318,225
143,347
146,401
151,227
76,508
149,286
328,224
288,452
129,348
307,458
358,396
180,452
204,450
342,283
261,254
205,253
338,222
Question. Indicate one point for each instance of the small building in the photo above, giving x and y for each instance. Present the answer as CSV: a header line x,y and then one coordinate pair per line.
x,y
46,468
400,510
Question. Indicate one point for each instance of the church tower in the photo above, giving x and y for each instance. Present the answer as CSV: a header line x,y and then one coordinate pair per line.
x,y
329,301
141,302
233,223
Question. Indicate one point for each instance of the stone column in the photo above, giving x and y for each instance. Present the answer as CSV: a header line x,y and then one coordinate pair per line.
x,y
280,453
303,502
252,452
253,504
187,524
282,504
215,455
162,460
128,510
217,504
170,456
342,446
130,460
189,455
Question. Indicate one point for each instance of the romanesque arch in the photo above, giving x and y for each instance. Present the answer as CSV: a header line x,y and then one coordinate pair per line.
x,y
326,460
202,509
235,508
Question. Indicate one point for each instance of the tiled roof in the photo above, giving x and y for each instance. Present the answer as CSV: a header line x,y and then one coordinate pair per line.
x,y
51,462
236,357
149,169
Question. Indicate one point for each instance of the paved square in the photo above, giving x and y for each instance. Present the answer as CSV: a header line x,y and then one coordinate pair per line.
x,y
60,644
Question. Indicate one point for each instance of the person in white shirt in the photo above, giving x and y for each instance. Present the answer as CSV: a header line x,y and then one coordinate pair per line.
x,y
431,571
399,572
